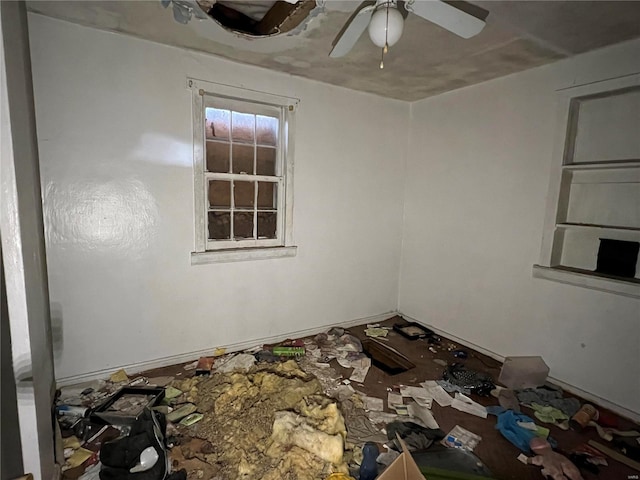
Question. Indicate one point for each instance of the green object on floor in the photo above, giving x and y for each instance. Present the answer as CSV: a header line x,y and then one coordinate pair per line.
x,y
289,351
548,414
181,412
191,419
171,392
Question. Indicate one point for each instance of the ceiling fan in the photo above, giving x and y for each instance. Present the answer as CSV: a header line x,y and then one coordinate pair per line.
x,y
385,21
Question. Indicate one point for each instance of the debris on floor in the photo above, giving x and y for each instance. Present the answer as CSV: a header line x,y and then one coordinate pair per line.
x,y
314,409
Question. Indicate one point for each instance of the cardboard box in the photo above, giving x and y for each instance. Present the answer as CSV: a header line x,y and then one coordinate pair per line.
x,y
403,468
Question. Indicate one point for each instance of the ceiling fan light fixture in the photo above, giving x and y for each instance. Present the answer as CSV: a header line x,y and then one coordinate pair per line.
x,y
386,25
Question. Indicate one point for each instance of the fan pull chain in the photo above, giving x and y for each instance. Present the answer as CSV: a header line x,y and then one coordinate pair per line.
x,y
385,49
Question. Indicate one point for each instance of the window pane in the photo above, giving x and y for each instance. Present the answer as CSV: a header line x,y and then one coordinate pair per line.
x,y
267,224
266,130
242,225
219,225
243,127
266,161
267,196
243,194
217,123
242,159
217,157
219,194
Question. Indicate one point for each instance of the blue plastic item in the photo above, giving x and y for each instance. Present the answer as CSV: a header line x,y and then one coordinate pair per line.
x,y
369,467
509,428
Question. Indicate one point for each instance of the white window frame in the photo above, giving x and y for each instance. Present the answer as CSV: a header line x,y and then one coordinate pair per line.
x,y
552,233
208,94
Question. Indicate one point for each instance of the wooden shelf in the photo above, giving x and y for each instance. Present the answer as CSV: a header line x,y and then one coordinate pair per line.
x,y
590,226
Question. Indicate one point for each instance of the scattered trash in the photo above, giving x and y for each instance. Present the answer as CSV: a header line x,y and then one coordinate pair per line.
x,y
218,352
460,437
549,395
507,399
553,464
549,414
119,376
78,457
171,393
412,330
460,354
159,381
508,424
583,416
204,365
417,393
376,332
438,393
369,466
191,419
372,404
465,404
423,414
182,412
476,382
415,437
190,366
241,362
402,468
519,373
615,455
289,351
588,458
394,399
127,405
442,363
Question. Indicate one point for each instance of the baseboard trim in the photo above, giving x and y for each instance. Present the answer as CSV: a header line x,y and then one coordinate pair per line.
x,y
135,368
590,397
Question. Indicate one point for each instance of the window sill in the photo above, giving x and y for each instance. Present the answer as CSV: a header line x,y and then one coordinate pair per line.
x,y
241,255
630,288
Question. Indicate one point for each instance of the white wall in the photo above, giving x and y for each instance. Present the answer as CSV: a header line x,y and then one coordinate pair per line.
x,y
477,180
115,143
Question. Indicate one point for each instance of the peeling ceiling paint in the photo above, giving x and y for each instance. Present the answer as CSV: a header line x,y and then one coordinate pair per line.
x,y
427,60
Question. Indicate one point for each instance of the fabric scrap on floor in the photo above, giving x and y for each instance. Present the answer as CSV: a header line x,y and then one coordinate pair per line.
x,y
415,436
549,396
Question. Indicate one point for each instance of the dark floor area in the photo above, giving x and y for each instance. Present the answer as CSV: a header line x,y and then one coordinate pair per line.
x,y
498,454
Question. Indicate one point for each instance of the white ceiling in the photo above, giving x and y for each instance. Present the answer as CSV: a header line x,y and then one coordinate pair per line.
x,y
427,60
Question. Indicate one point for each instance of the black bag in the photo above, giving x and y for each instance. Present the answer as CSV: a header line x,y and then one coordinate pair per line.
x,y
120,455
475,382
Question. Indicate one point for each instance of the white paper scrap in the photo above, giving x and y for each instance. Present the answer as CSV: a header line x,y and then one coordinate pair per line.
x,y
394,399
438,393
414,392
373,404
361,368
465,404
424,402
423,414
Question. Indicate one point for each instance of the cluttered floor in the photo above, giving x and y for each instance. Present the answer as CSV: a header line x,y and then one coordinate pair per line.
x,y
340,405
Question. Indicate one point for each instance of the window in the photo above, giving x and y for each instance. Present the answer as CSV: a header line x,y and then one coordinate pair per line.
x,y
243,165
593,219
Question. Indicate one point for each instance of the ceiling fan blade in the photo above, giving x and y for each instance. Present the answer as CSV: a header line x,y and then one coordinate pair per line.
x,y
461,18
352,30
